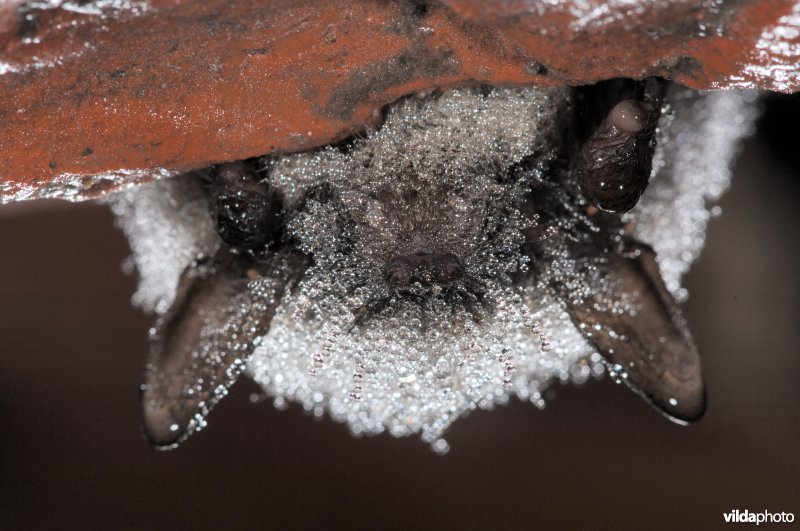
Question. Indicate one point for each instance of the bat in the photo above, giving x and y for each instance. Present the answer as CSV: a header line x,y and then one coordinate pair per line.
x,y
481,242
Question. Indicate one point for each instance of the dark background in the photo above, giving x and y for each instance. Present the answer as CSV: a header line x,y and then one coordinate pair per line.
x,y
72,454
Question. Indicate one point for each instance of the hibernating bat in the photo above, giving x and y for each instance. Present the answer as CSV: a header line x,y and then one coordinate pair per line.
x,y
478,245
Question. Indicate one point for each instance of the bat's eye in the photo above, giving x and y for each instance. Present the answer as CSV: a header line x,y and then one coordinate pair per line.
x,y
399,271
247,210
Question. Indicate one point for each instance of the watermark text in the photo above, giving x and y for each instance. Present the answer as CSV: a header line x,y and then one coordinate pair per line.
x,y
764,517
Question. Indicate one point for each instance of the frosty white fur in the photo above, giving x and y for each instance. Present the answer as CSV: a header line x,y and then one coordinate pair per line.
x,y
415,380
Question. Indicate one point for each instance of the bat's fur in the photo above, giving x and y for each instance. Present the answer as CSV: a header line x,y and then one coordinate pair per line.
x,y
445,228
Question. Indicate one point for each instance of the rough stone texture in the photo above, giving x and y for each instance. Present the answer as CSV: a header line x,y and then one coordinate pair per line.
x,y
96,95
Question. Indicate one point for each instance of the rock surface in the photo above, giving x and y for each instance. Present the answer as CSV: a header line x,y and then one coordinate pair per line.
x,y
98,95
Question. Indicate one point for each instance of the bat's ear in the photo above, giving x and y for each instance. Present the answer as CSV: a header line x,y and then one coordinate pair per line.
x,y
648,347
202,344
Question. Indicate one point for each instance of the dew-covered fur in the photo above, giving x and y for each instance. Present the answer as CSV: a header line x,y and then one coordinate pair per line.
x,y
477,174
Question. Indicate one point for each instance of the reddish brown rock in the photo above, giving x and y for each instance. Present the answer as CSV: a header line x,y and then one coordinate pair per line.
x,y
95,97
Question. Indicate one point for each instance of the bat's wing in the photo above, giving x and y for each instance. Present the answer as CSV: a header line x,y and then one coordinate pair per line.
x,y
645,339
202,344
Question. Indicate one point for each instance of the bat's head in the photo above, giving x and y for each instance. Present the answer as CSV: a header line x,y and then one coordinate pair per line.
x,y
416,210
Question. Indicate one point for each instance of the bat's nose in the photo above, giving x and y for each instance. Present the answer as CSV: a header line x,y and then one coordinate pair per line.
x,y
425,268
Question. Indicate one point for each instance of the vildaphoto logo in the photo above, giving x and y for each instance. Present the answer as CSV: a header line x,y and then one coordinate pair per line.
x,y
765,517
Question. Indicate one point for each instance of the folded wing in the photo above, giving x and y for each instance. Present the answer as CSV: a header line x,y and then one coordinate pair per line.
x,y
200,347
645,339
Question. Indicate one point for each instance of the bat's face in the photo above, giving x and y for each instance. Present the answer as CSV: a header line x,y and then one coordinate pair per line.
x,y
471,248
